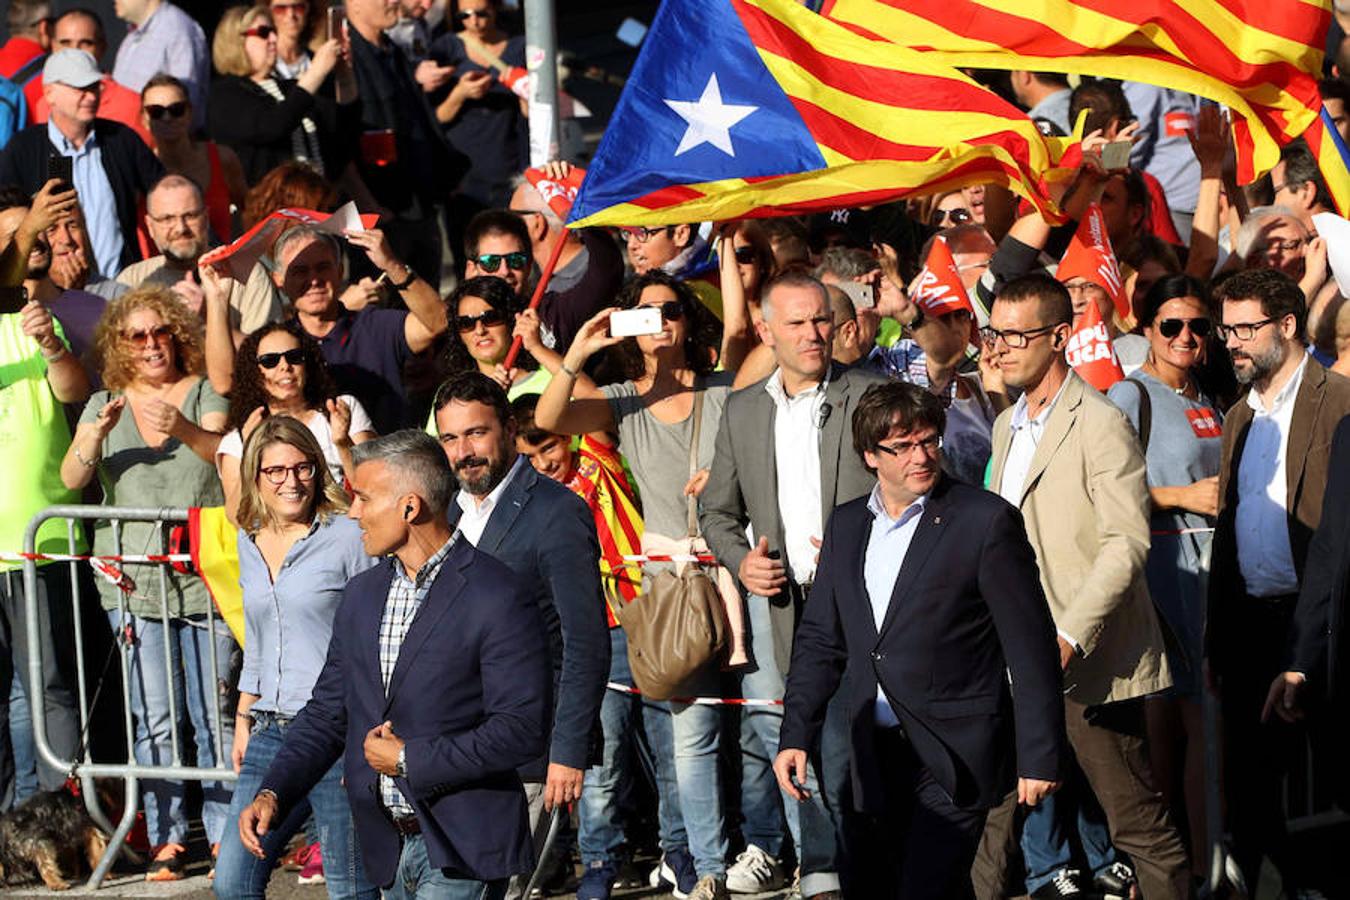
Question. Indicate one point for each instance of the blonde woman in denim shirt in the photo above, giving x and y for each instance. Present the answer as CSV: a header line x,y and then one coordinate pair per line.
x,y
297,550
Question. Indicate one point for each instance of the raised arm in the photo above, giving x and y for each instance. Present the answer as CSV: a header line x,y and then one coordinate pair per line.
x,y
558,411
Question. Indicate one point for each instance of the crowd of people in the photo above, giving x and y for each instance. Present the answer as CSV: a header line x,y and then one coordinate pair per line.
x,y
971,604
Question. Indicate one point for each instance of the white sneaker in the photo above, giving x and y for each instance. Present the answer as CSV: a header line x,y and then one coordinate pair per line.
x,y
753,872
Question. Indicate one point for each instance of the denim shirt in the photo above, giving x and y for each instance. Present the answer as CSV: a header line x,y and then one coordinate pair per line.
x,y
288,624
96,198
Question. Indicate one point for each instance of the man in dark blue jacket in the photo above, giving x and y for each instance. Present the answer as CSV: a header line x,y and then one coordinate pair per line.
x,y
546,535
435,690
927,603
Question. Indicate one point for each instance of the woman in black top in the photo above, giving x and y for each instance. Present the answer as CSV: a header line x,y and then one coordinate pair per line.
x,y
268,120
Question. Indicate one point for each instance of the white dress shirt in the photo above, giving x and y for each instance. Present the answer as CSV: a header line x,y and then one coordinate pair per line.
x,y
1262,525
796,437
886,548
474,517
1026,437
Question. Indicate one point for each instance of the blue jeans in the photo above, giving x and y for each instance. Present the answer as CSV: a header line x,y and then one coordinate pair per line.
x,y
1045,842
765,807
240,874
417,880
193,682
697,732
21,742
598,832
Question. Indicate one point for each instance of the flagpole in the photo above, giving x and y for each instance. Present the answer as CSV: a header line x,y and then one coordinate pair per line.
x,y
541,58
538,295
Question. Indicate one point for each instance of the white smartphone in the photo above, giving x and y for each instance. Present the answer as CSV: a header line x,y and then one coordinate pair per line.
x,y
862,295
1116,155
636,321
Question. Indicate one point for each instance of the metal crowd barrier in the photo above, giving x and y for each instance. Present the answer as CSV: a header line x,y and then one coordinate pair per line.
x,y
85,767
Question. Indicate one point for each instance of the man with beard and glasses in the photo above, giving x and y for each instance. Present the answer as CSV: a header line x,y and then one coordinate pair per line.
x,y
175,215
1275,462
40,374
545,534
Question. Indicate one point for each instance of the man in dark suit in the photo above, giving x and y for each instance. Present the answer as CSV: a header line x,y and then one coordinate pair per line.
x,y
781,467
1273,475
1317,654
436,688
546,535
927,598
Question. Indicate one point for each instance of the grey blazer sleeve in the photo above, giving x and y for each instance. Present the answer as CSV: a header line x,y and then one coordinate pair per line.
x,y
723,516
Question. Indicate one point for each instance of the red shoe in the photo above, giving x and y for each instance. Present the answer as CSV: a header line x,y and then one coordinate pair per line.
x,y
312,873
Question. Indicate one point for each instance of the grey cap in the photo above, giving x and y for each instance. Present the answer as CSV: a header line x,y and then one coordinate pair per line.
x,y
76,68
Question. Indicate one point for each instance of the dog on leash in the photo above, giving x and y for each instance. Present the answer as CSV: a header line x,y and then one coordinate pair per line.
x,y
49,836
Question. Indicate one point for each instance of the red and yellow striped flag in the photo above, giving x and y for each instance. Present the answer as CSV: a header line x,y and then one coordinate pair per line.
x,y
760,107
1261,58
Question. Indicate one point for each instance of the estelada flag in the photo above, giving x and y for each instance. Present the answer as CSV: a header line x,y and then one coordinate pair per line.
x,y
242,254
746,108
939,290
1090,256
1260,58
1090,352
559,195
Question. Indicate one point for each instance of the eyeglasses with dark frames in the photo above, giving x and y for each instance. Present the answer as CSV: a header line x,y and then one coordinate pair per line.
x,y
1243,331
277,475
1016,340
905,449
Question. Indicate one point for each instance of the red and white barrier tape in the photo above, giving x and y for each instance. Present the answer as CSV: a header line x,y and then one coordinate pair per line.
x,y
705,558
67,557
699,701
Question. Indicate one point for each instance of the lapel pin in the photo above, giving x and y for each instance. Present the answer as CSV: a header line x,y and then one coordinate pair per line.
x,y
937,520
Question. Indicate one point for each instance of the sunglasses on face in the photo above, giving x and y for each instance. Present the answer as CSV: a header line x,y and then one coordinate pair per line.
x,y
671,310
260,31
277,475
147,335
158,111
295,356
745,255
491,262
466,14
944,217
1170,328
489,318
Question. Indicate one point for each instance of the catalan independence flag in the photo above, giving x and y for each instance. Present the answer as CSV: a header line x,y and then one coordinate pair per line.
x,y
744,108
1261,58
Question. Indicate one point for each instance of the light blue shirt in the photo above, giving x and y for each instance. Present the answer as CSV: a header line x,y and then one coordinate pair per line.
x,y
288,623
886,549
169,41
96,198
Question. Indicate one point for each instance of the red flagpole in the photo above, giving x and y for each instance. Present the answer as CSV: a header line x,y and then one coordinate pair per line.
x,y
539,289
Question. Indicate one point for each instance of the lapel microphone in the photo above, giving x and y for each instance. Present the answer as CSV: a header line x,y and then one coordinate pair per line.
x,y
823,415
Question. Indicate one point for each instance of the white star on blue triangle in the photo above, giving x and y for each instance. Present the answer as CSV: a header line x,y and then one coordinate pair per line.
x,y
710,120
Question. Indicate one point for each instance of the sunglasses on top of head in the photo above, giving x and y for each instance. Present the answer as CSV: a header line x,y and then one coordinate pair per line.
x,y
175,110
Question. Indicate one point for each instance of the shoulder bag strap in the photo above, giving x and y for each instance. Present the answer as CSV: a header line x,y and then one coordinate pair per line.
x,y
1145,412
693,456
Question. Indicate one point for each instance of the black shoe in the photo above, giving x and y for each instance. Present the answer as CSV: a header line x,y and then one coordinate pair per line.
x,y
1114,882
1064,886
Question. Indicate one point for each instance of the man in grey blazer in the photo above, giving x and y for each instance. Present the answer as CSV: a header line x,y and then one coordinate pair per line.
x,y
782,465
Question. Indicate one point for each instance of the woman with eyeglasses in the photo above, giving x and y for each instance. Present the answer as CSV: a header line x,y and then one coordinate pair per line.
x,y
267,119
297,551
151,438
167,114
279,371
652,412
481,114
1180,427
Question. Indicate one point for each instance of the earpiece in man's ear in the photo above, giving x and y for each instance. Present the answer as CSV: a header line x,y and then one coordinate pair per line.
x,y
407,511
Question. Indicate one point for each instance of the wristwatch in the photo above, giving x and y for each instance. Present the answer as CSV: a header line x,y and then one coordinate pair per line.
x,y
401,767
409,276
